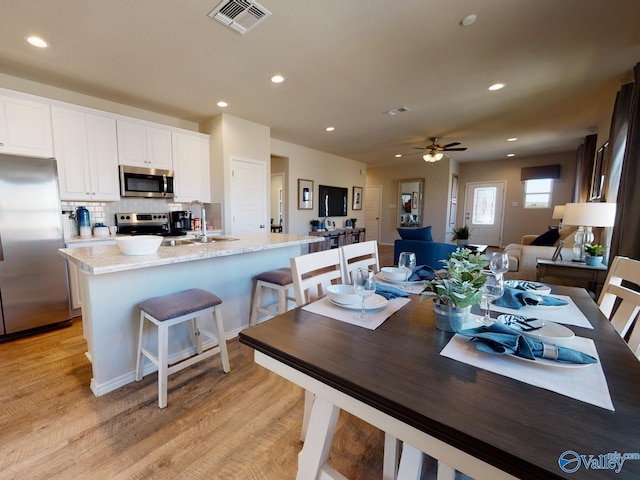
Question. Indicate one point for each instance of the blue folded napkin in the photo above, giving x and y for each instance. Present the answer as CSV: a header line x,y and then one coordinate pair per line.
x,y
516,298
498,338
389,292
422,272
525,285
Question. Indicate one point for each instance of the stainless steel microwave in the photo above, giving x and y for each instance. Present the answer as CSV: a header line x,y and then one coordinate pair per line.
x,y
145,182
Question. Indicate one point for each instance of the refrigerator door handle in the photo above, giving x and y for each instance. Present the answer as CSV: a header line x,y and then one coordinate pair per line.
x,y
1,251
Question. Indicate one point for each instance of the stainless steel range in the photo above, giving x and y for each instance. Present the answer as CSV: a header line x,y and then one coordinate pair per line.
x,y
143,223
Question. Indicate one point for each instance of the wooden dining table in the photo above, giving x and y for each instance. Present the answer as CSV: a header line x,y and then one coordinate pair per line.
x,y
479,422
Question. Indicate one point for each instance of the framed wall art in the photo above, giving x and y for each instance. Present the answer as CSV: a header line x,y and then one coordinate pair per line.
x,y
305,194
357,198
454,186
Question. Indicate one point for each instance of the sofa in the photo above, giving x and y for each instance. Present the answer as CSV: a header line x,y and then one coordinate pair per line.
x,y
420,242
523,256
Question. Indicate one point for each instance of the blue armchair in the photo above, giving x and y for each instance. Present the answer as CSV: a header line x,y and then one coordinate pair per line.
x,y
427,253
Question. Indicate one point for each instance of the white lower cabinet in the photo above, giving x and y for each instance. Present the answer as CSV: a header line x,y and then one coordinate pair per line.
x,y
86,148
74,280
25,127
191,167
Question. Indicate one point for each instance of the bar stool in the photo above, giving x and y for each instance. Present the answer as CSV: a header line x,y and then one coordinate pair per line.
x,y
279,280
169,310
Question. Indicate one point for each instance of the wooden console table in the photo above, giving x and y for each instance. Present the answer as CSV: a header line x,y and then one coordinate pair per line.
x,y
336,238
573,273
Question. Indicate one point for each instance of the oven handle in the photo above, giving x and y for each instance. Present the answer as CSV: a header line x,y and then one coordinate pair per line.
x,y
166,185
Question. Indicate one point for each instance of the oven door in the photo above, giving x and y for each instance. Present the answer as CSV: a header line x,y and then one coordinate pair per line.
x,y
145,182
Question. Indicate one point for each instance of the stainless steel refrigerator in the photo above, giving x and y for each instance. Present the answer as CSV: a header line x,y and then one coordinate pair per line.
x,y
33,277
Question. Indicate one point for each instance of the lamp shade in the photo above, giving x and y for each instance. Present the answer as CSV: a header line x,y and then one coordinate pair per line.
x,y
592,214
558,212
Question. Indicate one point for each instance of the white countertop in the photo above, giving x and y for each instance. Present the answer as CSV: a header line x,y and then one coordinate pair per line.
x,y
101,259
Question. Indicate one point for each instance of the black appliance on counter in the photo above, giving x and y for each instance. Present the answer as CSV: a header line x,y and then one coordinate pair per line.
x,y
180,222
143,224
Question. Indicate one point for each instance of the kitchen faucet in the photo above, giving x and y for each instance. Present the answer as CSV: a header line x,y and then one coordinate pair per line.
x,y
203,220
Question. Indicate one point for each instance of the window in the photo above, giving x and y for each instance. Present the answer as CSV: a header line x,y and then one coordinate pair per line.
x,y
537,193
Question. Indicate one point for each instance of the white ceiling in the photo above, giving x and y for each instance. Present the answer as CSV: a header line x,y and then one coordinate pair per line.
x,y
345,62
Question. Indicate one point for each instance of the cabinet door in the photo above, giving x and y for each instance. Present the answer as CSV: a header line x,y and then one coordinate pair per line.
x,y
141,145
191,167
25,128
102,146
159,148
70,139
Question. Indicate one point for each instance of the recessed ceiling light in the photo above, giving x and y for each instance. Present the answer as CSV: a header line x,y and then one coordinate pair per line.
x,y
511,154
330,129
277,79
496,86
36,41
469,20
512,139
222,104
398,155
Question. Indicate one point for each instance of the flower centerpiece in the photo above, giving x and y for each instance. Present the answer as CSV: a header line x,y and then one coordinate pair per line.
x,y
594,254
461,234
457,287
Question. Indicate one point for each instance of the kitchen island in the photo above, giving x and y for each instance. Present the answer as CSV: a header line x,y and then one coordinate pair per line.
x,y
113,284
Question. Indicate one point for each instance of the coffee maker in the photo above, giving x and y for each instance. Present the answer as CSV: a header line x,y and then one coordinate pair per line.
x,y
180,222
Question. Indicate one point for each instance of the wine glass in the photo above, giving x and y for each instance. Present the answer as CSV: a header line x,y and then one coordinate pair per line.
x,y
492,290
407,262
499,262
365,285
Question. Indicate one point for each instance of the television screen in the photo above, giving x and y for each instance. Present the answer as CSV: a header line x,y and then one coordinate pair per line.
x,y
332,201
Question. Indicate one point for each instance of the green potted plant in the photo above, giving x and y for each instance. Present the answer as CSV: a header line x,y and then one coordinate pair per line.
x,y
353,222
456,288
594,254
461,234
314,224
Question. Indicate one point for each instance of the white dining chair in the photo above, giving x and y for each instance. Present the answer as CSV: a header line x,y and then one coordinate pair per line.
x,y
359,255
624,316
313,273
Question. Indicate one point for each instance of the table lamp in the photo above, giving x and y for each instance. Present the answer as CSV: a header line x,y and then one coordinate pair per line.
x,y
586,216
558,214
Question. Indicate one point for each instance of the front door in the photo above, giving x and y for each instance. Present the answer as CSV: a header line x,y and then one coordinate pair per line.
x,y
483,212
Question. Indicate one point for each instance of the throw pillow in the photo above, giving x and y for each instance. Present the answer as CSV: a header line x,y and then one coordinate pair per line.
x,y
423,234
547,239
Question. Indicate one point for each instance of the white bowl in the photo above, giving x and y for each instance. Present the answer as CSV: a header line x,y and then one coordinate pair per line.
x,y
343,294
394,274
139,244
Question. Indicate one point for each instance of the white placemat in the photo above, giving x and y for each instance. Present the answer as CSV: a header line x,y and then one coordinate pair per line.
x,y
329,309
585,383
569,315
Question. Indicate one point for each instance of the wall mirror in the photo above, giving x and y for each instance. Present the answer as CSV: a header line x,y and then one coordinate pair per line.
x,y
410,202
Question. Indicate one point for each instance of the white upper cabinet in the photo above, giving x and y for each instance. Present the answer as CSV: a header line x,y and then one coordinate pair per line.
x,y
142,145
25,127
191,167
87,152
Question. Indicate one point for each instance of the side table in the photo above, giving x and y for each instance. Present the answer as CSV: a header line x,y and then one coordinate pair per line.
x,y
572,273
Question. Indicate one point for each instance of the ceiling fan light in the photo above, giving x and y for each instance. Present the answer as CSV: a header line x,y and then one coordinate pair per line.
x,y
438,156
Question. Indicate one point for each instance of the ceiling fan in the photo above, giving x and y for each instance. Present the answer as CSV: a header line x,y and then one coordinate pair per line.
x,y
433,152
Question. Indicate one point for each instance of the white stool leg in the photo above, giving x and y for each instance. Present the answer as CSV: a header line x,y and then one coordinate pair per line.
x,y
257,300
140,357
195,335
282,300
222,342
163,367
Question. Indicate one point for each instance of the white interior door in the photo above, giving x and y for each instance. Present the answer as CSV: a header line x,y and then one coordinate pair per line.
x,y
371,205
483,212
249,206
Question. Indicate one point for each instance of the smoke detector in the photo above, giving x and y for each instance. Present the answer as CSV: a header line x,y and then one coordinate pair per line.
x,y
239,15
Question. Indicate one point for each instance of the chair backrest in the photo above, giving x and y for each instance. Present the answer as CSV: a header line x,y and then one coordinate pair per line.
x,y
313,273
359,255
625,315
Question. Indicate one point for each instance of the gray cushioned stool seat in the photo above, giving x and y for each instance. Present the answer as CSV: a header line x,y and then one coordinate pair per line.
x,y
167,307
279,276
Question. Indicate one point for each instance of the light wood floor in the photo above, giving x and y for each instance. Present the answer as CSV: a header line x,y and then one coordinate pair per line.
x,y
242,425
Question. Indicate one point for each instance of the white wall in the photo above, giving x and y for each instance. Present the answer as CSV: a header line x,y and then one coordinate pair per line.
x,y
323,169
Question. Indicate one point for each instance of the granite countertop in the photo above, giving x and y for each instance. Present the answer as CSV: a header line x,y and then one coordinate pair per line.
x,y
101,259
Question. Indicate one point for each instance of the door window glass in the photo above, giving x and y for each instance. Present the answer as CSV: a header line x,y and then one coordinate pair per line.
x,y
484,206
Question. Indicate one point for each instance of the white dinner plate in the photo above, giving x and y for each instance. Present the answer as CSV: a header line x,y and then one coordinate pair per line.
x,y
550,332
380,276
533,287
374,302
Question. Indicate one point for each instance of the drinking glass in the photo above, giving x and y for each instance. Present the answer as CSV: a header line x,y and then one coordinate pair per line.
x,y
365,285
499,262
492,290
407,262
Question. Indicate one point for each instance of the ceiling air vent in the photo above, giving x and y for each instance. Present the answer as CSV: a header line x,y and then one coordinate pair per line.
x,y
239,15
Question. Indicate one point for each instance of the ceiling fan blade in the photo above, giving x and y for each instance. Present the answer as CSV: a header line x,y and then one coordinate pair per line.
x,y
453,144
459,149
419,148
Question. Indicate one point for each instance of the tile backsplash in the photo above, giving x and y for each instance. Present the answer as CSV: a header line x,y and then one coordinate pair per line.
x,y
104,212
